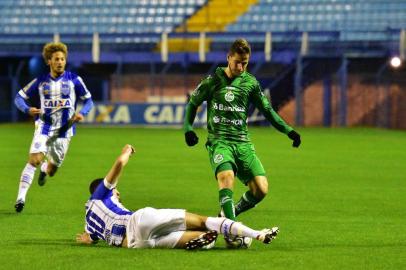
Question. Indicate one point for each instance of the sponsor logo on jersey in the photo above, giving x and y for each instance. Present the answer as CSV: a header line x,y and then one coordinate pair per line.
x,y
218,158
57,103
229,96
65,89
216,119
222,107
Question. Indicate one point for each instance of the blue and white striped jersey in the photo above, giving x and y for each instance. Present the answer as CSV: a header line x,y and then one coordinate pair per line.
x,y
106,217
58,98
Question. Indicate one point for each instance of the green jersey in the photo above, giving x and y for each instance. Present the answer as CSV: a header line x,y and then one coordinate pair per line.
x,y
228,101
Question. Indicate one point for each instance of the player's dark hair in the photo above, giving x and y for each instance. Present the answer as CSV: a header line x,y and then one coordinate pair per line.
x,y
240,46
93,185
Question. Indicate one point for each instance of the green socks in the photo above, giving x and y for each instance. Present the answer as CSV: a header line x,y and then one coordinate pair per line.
x,y
227,203
246,202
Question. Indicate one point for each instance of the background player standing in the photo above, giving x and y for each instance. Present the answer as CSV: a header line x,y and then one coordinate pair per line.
x,y
228,94
54,119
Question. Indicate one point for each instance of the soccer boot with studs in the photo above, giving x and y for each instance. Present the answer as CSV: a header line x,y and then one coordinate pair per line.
x,y
19,206
204,241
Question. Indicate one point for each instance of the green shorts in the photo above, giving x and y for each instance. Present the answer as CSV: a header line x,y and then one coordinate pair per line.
x,y
241,156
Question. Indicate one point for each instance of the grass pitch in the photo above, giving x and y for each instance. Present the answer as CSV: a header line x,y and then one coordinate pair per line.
x,y
339,200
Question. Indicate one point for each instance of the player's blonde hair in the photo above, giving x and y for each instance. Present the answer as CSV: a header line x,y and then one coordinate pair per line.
x,y
53,47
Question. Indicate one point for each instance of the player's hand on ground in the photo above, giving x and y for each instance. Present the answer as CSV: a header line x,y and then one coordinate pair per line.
x,y
34,111
83,238
128,149
295,137
191,138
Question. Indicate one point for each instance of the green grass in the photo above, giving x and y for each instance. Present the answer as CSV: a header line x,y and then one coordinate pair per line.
x,y
339,200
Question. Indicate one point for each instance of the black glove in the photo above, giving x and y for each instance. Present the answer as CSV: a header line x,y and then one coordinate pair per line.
x,y
191,138
295,137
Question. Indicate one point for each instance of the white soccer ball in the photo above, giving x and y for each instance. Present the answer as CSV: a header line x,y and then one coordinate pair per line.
x,y
238,242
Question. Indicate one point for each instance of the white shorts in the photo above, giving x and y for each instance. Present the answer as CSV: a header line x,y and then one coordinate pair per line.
x,y
54,148
154,228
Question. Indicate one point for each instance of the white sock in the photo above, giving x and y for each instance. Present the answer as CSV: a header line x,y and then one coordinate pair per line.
x,y
25,181
44,166
229,227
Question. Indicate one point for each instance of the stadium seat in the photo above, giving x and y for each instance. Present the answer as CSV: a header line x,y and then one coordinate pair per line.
x,y
320,15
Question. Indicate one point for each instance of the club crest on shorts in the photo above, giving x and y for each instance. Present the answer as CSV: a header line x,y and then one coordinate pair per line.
x,y
218,158
229,96
37,145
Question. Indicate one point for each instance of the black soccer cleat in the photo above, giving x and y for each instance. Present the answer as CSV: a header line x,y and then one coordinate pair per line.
x,y
42,178
204,241
19,206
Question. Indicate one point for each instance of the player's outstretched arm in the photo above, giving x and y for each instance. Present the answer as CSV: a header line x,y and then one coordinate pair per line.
x,y
121,161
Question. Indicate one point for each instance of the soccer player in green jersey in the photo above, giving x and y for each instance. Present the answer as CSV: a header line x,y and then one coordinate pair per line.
x,y
228,93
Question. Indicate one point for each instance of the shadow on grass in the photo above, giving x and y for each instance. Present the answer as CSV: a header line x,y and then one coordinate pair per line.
x,y
57,242
10,212
72,243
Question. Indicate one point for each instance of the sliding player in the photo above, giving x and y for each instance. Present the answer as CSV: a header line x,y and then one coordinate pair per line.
x,y
107,219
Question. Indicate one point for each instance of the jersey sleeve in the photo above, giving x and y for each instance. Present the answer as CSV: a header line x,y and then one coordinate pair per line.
x,y
103,190
29,90
263,104
81,89
201,93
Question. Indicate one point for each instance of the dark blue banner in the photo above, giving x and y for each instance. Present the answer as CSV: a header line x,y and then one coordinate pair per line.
x,y
142,114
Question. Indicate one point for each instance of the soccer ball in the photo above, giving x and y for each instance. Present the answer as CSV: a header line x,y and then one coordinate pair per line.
x,y
238,242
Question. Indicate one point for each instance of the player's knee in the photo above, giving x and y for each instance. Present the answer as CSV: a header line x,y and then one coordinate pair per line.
x,y
226,178
35,161
260,191
229,174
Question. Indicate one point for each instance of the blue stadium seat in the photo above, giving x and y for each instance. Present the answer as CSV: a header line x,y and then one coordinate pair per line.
x,y
86,16
368,16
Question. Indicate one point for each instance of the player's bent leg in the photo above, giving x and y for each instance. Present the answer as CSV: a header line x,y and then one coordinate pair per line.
x,y
195,222
51,169
47,168
56,154
42,173
258,188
